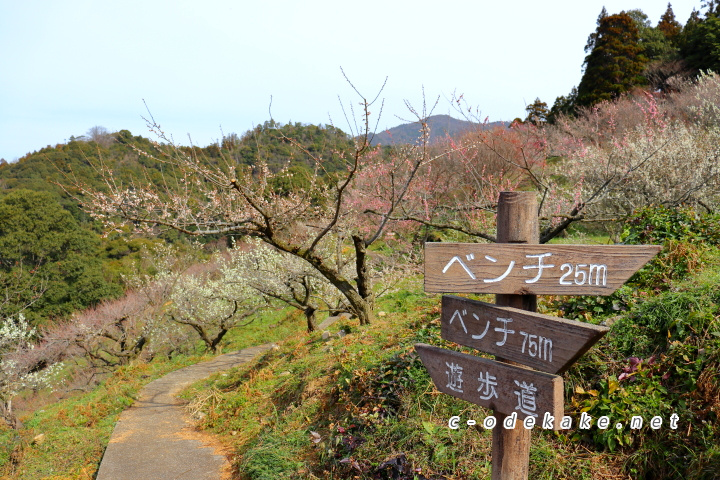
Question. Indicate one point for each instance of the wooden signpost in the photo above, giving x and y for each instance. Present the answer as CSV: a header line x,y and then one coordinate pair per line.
x,y
532,269
542,342
516,270
502,387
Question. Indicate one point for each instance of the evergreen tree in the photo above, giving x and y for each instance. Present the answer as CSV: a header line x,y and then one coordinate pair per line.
x,y
661,49
713,8
655,45
47,261
668,25
615,62
701,44
593,36
563,106
537,112
693,19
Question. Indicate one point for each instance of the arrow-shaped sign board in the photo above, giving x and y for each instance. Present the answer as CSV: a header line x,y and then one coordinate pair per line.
x,y
506,389
522,269
542,342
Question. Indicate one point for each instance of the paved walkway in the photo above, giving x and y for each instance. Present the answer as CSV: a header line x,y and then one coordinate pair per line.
x,y
154,439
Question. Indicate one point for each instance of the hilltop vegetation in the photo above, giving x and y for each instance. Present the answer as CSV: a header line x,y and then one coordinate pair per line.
x,y
44,223
626,53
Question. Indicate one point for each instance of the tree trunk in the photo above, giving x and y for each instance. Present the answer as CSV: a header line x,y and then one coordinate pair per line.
x,y
310,316
363,274
364,312
360,305
8,416
216,341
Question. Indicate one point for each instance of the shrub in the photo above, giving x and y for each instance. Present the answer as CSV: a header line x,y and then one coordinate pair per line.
x,y
685,235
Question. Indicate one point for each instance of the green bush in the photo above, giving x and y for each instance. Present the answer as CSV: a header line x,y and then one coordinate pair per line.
x,y
685,235
661,358
658,224
652,325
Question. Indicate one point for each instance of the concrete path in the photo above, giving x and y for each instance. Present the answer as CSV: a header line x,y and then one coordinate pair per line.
x,y
155,440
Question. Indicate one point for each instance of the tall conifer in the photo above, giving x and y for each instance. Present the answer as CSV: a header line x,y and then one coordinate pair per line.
x,y
668,25
615,63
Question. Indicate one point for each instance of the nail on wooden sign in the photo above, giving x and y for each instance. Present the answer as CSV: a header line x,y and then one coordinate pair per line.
x,y
542,342
506,389
522,269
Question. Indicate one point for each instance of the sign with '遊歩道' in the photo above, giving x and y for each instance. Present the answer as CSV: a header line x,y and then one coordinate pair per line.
x,y
517,268
504,388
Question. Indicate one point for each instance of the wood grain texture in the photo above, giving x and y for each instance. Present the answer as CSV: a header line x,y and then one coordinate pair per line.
x,y
517,222
545,343
517,218
522,269
512,389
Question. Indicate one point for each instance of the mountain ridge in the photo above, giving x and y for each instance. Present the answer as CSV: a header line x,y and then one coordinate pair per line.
x,y
441,126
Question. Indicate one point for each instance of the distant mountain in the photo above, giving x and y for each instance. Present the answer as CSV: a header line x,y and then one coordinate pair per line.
x,y
440,127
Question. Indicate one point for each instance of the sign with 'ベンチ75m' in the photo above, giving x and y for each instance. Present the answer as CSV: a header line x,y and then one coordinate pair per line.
x,y
542,342
522,269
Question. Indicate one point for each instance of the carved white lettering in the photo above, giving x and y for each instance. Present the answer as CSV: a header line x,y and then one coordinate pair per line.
x,y
564,276
593,274
583,275
537,346
599,269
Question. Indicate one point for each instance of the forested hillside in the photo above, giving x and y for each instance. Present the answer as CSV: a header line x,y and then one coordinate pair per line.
x,y
627,52
56,259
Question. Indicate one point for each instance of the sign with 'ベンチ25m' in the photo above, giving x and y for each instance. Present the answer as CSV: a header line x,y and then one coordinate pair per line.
x,y
522,269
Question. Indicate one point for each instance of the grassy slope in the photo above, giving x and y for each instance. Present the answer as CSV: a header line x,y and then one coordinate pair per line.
x,y
76,430
342,408
368,399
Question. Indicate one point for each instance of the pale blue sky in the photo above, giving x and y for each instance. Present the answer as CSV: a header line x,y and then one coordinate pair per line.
x,y
209,66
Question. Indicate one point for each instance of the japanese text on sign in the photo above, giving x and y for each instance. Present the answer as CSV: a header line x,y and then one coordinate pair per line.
x,y
590,274
535,346
521,269
546,343
487,382
505,388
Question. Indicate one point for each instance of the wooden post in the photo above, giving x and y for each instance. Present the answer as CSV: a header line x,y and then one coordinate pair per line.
x,y
473,268
517,222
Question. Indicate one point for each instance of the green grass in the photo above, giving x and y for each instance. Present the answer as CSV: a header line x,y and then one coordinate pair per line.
x,y
583,238
272,325
362,405
342,408
75,431
367,398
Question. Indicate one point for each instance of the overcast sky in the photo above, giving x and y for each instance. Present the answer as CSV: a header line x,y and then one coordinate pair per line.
x,y
212,66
